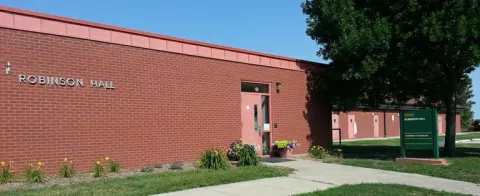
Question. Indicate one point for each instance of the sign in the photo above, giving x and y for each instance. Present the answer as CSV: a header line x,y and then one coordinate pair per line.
x,y
418,131
60,81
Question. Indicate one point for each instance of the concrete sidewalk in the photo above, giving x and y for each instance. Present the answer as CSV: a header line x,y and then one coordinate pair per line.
x,y
312,175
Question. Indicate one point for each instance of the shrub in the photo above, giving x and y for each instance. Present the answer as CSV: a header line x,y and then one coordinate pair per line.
x,y
248,156
234,149
176,166
338,153
233,152
317,152
281,144
98,169
158,165
35,173
113,165
6,172
66,169
213,159
146,168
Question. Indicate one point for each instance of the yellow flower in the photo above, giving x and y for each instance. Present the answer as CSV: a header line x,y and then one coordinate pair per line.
x,y
39,163
3,163
98,162
216,152
64,159
106,158
30,164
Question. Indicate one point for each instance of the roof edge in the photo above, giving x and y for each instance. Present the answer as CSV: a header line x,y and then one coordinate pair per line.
x,y
143,33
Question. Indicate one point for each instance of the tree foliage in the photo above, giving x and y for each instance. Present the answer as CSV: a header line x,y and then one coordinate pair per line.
x,y
390,52
464,99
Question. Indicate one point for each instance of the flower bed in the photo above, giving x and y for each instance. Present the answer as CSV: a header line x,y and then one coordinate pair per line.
x,y
21,183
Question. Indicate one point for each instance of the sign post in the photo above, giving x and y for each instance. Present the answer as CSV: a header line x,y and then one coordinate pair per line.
x,y
419,131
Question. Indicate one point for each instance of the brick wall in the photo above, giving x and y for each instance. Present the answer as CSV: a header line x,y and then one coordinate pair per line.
x,y
166,107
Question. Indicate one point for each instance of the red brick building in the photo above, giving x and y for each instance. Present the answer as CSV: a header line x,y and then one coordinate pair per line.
x,y
83,91
378,123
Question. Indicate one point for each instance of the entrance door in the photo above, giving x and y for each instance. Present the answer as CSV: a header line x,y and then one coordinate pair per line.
x,y
440,125
376,124
335,126
252,119
351,126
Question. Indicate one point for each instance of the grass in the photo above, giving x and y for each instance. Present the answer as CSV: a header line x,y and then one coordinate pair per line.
x,y
378,189
158,183
381,154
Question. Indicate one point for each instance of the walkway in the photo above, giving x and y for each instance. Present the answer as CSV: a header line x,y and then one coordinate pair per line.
x,y
312,175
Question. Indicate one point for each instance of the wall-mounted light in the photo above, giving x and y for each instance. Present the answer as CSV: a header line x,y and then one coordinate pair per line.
x,y
278,86
7,71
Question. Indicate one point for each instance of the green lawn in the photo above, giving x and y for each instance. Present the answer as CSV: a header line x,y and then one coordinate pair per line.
x,y
378,189
158,183
381,154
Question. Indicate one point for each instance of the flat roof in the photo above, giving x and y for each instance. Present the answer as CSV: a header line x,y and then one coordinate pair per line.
x,y
50,24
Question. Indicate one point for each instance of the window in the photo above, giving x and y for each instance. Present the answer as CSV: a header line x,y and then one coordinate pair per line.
x,y
265,113
334,120
266,143
254,87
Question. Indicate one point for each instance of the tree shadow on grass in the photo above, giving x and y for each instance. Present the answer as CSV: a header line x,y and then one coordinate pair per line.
x,y
392,152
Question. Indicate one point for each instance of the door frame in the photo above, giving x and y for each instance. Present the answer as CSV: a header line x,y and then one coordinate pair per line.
x,y
269,94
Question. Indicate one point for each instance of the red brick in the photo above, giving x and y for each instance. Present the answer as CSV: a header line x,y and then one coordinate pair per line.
x,y
166,106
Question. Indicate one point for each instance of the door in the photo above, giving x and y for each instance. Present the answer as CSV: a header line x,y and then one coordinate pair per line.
x,y
351,126
440,125
376,125
335,126
252,119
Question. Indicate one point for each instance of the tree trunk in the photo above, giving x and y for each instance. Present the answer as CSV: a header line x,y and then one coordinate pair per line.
x,y
449,148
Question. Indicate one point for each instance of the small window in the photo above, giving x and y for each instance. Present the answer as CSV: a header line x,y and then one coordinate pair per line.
x,y
375,120
254,87
334,120
351,120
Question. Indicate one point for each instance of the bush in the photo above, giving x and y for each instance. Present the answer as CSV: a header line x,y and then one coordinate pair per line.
x,y
248,156
213,159
281,144
158,165
113,165
35,173
233,152
66,169
338,153
146,168
317,152
6,172
98,169
176,166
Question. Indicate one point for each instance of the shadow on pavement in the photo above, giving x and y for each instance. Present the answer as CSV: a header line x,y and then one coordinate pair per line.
x,y
276,160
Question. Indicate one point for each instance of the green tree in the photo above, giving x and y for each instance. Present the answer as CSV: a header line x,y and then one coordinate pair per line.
x,y
464,96
391,51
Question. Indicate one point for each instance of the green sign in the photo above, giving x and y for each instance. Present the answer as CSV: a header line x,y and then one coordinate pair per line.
x,y
418,131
